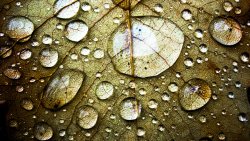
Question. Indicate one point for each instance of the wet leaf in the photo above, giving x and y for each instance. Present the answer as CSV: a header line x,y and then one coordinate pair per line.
x,y
124,70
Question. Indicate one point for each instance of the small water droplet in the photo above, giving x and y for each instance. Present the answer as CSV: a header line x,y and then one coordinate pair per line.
x,y
48,57
87,117
66,9
130,109
104,90
27,104
43,131
186,14
99,53
12,73
25,54
194,94
76,30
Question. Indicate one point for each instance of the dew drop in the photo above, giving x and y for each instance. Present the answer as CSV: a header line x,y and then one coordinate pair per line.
x,y
198,33
173,87
158,8
165,97
62,88
99,53
194,94
244,57
152,104
85,51
12,73
104,90
189,62
186,14
242,117
140,132
19,28
66,9
76,30
27,104
86,7
47,39
5,52
43,131
25,54
87,117
153,53
227,6
130,109
225,31
203,48
48,57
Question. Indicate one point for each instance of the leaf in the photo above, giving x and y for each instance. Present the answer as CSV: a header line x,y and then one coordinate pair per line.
x,y
124,70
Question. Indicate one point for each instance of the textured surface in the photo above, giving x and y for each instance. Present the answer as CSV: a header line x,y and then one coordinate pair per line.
x,y
155,108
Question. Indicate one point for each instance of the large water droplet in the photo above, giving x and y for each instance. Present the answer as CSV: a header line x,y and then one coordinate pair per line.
x,y
148,51
62,88
104,90
87,117
225,31
48,57
43,131
76,30
130,108
66,9
19,28
194,94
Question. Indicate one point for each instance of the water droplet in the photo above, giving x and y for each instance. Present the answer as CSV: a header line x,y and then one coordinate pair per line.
x,y
47,39
222,136
106,5
242,117
76,30
194,94
153,53
186,14
27,104
173,87
231,95
140,132
198,33
142,91
227,6
189,62
244,57
86,6
165,97
158,8
152,104
203,119
62,88
85,51
43,131
99,53
25,54
104,90
66,9
5,52
19,28
48,57
130,109
203,48
225,31
12,73
87,117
